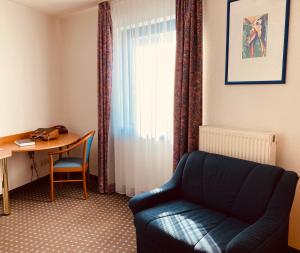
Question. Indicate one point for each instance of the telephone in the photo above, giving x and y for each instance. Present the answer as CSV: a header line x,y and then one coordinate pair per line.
x,y
50,133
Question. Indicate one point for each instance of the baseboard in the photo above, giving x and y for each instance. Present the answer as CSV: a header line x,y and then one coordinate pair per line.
x,y
292,250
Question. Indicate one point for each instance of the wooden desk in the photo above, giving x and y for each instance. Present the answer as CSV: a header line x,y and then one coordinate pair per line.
x,y
8,147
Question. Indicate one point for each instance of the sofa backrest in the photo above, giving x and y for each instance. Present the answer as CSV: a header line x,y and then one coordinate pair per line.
x,y
237,187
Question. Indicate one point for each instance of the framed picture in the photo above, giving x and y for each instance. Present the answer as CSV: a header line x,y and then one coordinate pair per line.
x,y
257,40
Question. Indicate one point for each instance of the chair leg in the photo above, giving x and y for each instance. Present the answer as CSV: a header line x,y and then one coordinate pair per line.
x,y
51,180
85,195
51,187
88,178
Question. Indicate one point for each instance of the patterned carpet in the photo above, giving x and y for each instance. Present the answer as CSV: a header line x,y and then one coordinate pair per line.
x,y
103,223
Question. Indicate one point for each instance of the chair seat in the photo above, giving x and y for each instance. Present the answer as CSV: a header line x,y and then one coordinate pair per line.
x,y
68,162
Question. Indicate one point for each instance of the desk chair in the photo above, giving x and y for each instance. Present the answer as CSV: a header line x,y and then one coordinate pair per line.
x,y
71,164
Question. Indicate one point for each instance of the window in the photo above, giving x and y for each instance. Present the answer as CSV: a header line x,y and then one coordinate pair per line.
x,y
145,91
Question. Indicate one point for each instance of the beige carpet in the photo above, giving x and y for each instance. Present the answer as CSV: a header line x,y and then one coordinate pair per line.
x,y
103,223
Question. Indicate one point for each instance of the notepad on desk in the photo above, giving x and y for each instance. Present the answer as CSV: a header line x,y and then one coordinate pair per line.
x,y
25,142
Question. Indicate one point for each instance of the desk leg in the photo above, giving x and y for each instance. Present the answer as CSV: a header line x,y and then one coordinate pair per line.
x,y
6,207
33,164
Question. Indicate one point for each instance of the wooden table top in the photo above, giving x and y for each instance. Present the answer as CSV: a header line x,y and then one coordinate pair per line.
x,y
62,140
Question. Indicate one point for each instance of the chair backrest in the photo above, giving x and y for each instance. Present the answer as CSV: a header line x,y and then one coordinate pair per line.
x,y
87,140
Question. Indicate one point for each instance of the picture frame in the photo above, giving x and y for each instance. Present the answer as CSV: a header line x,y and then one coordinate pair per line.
x,y
257,41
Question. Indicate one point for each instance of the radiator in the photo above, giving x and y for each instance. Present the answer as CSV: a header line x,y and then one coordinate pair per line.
x,y
253,146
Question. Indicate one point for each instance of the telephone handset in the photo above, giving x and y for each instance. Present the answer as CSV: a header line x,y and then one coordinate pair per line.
x,y
61,129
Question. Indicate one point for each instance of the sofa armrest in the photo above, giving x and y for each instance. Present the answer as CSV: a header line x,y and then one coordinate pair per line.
x,y
270,232
263,236
152,198
165,193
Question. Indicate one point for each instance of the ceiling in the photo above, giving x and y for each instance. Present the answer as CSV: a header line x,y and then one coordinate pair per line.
x,y
57,7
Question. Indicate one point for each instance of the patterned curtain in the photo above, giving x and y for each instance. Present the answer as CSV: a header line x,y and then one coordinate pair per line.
x,y
105,178
188,77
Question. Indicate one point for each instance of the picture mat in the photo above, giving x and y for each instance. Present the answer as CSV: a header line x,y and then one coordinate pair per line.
x,y
261,68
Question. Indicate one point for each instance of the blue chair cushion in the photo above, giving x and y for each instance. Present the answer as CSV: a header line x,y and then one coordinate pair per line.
x,y
68,162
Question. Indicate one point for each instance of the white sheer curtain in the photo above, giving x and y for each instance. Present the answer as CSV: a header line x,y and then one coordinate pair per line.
x,y
144,40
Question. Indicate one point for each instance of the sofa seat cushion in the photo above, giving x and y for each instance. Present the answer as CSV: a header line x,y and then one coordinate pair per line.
x,y
142,219
201,230
216,240
181,232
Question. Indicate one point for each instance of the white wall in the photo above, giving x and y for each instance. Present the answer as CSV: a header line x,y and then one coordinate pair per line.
x,y
78,38
29,85
258,107
48,76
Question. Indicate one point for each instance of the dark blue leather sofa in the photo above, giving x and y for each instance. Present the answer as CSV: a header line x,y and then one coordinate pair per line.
x,y
216,204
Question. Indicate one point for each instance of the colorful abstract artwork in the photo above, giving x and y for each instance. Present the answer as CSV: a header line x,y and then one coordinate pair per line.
x,y
255,29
